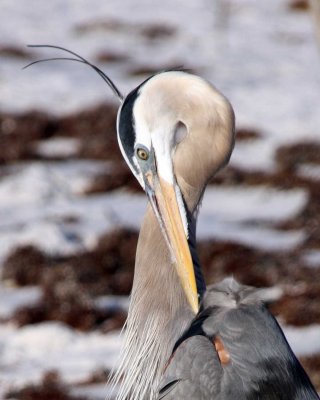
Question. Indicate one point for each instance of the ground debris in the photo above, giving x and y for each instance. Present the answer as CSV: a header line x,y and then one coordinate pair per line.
x,y
51,388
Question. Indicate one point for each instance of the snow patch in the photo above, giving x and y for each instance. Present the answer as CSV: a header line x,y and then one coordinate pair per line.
x,y
246,203
258,237
254,155
58,147
309,171
112,303
29,352
304,341
41,206
12,298
312,258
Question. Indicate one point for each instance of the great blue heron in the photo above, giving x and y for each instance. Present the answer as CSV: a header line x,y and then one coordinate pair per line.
x,y
175,131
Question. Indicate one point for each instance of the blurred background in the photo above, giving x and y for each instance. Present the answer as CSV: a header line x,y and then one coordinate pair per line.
x,y
70,210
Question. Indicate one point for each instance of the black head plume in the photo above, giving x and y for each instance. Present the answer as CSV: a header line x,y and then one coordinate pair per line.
x,y
77,59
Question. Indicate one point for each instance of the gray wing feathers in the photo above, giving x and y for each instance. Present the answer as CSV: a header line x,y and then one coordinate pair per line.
x,y
194,371
261,364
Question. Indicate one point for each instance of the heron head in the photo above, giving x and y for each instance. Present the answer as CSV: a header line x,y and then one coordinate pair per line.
x,y
162,129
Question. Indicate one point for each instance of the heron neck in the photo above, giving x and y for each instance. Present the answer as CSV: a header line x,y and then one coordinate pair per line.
x,y
159,311
158,314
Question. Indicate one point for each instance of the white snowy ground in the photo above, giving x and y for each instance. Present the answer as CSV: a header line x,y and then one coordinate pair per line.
x,y
261,56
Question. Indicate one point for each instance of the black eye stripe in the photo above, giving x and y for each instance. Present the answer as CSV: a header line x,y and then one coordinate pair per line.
x,y
126,130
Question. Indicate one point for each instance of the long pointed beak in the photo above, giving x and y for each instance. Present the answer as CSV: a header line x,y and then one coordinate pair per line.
x,y
162,196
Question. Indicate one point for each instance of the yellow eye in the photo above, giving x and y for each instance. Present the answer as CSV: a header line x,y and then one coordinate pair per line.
x,y
142,154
